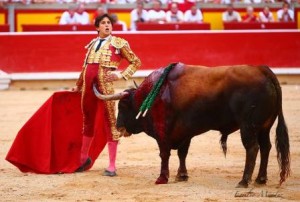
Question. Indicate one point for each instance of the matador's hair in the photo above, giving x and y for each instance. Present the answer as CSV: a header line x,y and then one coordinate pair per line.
x,y
101,17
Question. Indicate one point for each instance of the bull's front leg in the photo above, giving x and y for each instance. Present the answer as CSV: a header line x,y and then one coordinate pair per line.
x,y
164,154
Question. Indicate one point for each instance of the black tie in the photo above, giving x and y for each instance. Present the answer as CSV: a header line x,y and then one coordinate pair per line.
x,y
99,45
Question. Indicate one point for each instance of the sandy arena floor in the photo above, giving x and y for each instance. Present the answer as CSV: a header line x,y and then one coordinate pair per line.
x,y
212,177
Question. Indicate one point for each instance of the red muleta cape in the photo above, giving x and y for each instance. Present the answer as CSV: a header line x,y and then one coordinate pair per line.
x,y
50,141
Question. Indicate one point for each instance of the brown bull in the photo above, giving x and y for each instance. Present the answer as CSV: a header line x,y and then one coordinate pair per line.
x,y
195,99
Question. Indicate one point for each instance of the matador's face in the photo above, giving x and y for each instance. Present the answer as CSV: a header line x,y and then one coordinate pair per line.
x,y
105,27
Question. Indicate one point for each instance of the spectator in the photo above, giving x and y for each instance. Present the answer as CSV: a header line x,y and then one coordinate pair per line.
x,y
101,10
65,1
226,2
268,1
86,1
16,1
83,17
249,16
69,16
252,1
230,15
123,1
43,1
117,21
163,1
193,15
266,15
174,14
285,14
21,1
156,14
138,15
183,5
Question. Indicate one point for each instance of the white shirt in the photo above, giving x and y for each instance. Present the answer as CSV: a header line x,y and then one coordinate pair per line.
x,y
163,1
154,15
98,41
134,17
188,17
263,18
83,18
64,1
125,1
178,18
66,19
252,1
86,1
175,1
280,14
235,16
226,2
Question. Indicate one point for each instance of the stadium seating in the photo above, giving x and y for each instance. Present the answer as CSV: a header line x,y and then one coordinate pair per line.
x,y
173,26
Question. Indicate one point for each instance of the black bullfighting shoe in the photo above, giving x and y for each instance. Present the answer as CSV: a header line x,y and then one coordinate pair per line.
x,y
84,166
109,173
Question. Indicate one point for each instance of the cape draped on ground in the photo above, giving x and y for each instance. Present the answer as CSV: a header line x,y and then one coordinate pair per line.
x,y
50,141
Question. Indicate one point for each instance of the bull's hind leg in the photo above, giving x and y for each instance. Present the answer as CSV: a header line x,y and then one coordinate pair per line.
x,y
264,147
249,140
182,152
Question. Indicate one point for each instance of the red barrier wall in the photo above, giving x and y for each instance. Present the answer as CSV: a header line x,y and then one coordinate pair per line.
x,y
64,51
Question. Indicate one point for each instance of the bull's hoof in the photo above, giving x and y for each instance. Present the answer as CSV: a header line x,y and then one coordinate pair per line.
x,y
261,181
242,184
181,177
162,180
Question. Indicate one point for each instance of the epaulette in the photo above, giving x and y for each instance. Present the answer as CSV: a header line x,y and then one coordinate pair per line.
x,y
118,42
89,44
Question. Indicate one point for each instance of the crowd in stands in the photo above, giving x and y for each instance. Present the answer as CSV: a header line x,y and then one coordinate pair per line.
x,y
75,15
149,1
78,15
285,14
174,15
175,12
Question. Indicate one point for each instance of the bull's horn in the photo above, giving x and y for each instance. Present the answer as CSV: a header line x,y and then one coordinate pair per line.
x,y
116,96
136,86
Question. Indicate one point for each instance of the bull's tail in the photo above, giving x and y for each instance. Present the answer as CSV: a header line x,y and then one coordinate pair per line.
x,y
283,148
282,136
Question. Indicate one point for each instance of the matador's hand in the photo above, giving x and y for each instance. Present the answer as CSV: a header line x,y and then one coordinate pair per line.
x,y
113,76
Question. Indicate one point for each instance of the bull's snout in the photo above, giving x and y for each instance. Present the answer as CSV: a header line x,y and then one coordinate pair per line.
x,y
121,127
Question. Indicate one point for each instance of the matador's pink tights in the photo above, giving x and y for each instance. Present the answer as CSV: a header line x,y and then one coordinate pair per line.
x,y
89,108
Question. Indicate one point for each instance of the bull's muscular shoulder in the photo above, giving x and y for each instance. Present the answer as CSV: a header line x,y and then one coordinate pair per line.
x,y
176,71
118,42
183,69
